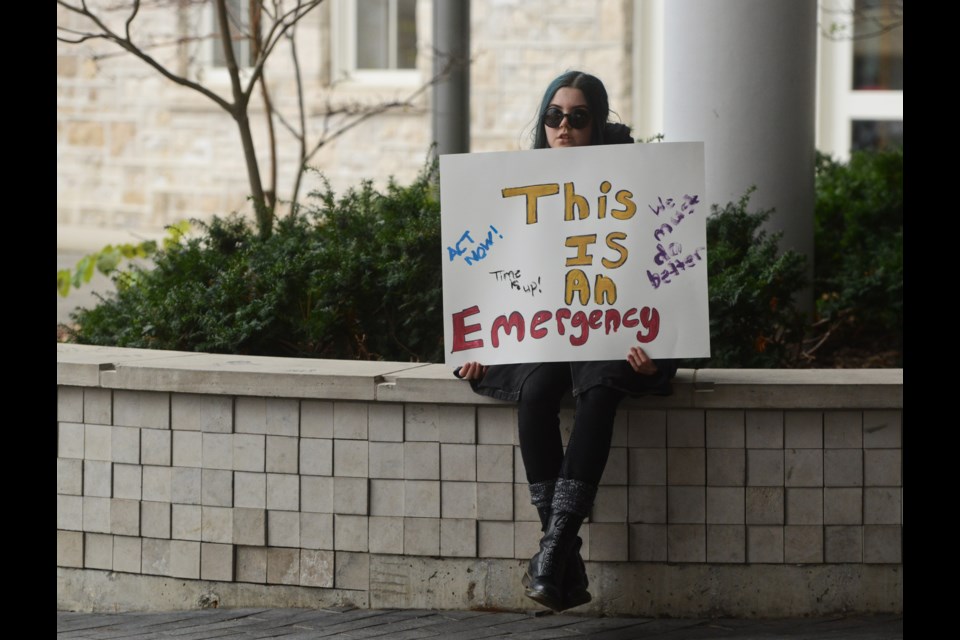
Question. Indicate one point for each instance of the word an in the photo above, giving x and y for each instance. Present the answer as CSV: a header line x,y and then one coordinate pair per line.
x,y
577,283
580,323
575,206
476,253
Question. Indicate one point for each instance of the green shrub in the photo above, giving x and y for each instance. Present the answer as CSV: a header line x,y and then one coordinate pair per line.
x,y
354,277
753,320
107,260
859,246
359,276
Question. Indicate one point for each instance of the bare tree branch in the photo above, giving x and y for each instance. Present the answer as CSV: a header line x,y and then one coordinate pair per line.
x,y
302,111
270,193
82,36
279,27
882,20
126,44
381,108
133,14
238,110
271,23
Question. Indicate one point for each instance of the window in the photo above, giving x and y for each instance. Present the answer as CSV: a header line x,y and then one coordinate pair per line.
x,y
238,14
877,66
876,134
861,75
386,34
376,40
878,45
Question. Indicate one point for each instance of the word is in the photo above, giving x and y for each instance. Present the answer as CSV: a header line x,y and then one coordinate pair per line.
x,y
577,283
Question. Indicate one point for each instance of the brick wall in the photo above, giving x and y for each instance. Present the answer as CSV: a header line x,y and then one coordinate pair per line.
x,y
338,477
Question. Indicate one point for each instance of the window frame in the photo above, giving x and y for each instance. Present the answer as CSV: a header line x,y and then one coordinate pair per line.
x,y
344,54
243,45
839,103
216,74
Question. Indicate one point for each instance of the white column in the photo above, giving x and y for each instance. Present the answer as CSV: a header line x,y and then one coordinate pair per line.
x,y
647,67
740,75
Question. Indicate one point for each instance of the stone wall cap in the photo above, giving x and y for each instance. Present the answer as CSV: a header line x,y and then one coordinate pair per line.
x,y
887,377
187,372
227,374
429,383
798,388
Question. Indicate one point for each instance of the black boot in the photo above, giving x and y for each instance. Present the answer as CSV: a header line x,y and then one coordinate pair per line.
x,y
544,513
575,582
556,576
541,495
548,567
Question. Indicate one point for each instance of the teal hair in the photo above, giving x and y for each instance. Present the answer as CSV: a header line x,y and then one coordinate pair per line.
x,y
597,103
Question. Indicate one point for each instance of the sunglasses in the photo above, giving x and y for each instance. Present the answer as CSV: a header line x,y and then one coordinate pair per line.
x,y
577,119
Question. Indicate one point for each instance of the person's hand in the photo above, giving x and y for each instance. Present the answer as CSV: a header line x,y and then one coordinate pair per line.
x,y
641,362
472,371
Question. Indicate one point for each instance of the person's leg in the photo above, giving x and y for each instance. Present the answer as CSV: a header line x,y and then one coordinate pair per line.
x,y
538,417
589,445
556,575
541,448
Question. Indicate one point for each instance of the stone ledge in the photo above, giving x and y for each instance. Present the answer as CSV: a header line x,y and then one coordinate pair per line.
x,y
173,371
223,374
798,388
430,383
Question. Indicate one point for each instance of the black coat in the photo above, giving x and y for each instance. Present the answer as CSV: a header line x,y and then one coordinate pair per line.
x,y
505,381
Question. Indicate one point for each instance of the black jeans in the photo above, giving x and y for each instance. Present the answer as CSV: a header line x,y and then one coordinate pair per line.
x,y
539,424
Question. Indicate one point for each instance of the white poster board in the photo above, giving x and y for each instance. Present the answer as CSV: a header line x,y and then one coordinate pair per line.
x,y
574,254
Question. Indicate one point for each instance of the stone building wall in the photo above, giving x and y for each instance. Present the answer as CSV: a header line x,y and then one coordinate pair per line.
x,y
136,152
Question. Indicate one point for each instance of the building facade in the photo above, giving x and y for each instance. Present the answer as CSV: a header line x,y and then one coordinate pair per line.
x,y
136,152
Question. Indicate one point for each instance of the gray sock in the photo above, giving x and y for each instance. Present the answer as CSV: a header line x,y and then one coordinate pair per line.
x,y
541,493
573,496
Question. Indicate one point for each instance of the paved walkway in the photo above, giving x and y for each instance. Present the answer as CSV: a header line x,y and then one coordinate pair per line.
x,y
304,624
86,295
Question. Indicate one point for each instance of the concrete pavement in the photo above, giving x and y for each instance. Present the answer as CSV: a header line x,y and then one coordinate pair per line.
x,y
409,624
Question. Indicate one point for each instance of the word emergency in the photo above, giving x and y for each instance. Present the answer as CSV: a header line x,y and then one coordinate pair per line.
x,y
539,326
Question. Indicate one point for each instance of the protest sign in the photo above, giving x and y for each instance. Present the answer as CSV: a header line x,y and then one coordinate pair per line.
x,y
574,254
